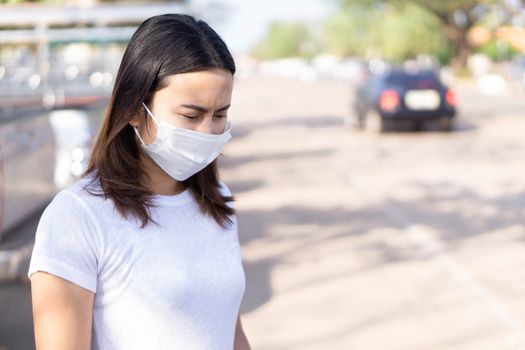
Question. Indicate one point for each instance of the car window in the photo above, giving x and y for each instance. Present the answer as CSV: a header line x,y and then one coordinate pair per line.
x,y
414,81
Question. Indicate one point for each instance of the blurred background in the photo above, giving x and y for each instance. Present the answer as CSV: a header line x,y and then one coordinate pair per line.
x,y
377,160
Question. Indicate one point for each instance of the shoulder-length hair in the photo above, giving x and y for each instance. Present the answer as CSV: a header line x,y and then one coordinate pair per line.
x,y
161,47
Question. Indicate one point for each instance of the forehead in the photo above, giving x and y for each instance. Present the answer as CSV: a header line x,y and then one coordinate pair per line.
x,y
206,87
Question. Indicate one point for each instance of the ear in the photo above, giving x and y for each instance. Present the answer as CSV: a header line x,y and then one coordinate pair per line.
x,y
135,121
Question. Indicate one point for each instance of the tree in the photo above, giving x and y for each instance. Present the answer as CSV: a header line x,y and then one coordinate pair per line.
x,y
456,17
286,40
349,33
394,33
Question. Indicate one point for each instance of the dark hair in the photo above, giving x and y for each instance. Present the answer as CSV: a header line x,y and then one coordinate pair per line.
x,y
161,47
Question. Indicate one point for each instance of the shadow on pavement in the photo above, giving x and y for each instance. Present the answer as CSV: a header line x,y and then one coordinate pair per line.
x,y
455,218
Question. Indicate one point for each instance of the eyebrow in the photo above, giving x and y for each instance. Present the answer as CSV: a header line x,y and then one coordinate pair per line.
x,y
204,110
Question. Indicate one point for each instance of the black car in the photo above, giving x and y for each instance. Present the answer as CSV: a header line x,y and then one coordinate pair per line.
x,y
399,95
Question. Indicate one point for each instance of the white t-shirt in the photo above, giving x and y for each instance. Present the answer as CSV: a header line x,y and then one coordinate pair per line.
x,y
175,285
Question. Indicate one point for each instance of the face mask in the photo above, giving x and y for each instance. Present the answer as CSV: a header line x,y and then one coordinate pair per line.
x,y
181,152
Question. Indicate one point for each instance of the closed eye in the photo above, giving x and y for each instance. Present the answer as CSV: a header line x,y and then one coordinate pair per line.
x,y
190,116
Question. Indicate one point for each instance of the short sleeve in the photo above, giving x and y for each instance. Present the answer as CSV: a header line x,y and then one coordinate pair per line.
x,y
67,244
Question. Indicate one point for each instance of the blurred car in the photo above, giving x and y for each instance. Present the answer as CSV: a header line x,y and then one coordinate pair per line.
x,y
400,95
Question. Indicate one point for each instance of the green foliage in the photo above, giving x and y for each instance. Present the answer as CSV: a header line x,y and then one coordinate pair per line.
x,y
287,40
409,31
453,18
498,50
351,32
395,33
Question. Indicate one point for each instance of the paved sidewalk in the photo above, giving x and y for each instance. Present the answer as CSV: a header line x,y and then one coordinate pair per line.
x,y
404,241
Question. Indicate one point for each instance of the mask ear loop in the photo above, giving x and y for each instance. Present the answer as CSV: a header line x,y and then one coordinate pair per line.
x,y
152,117
150,114
138,134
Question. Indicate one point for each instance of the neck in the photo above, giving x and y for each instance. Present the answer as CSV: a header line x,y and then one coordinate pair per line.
x,y
159,182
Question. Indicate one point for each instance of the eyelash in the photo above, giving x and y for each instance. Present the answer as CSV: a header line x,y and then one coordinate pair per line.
x,y
196,116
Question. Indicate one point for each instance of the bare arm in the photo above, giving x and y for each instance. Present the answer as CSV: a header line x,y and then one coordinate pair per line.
x,y
62,313
241,342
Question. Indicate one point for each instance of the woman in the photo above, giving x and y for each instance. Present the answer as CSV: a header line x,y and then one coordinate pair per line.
x,y
142,252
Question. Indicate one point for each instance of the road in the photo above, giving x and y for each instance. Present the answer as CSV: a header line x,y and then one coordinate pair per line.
x,y
401,241
359,241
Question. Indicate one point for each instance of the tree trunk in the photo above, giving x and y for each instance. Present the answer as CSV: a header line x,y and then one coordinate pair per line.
x,y
462,47
462,54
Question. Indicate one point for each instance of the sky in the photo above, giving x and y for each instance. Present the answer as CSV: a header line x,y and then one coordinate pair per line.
x,y
242,23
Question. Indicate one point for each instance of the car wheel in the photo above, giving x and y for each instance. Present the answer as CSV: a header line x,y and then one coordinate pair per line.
x,y
447,124
359,121
374,123
351,121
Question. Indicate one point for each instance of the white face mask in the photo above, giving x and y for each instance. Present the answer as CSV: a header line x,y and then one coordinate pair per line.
x,y
181,152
